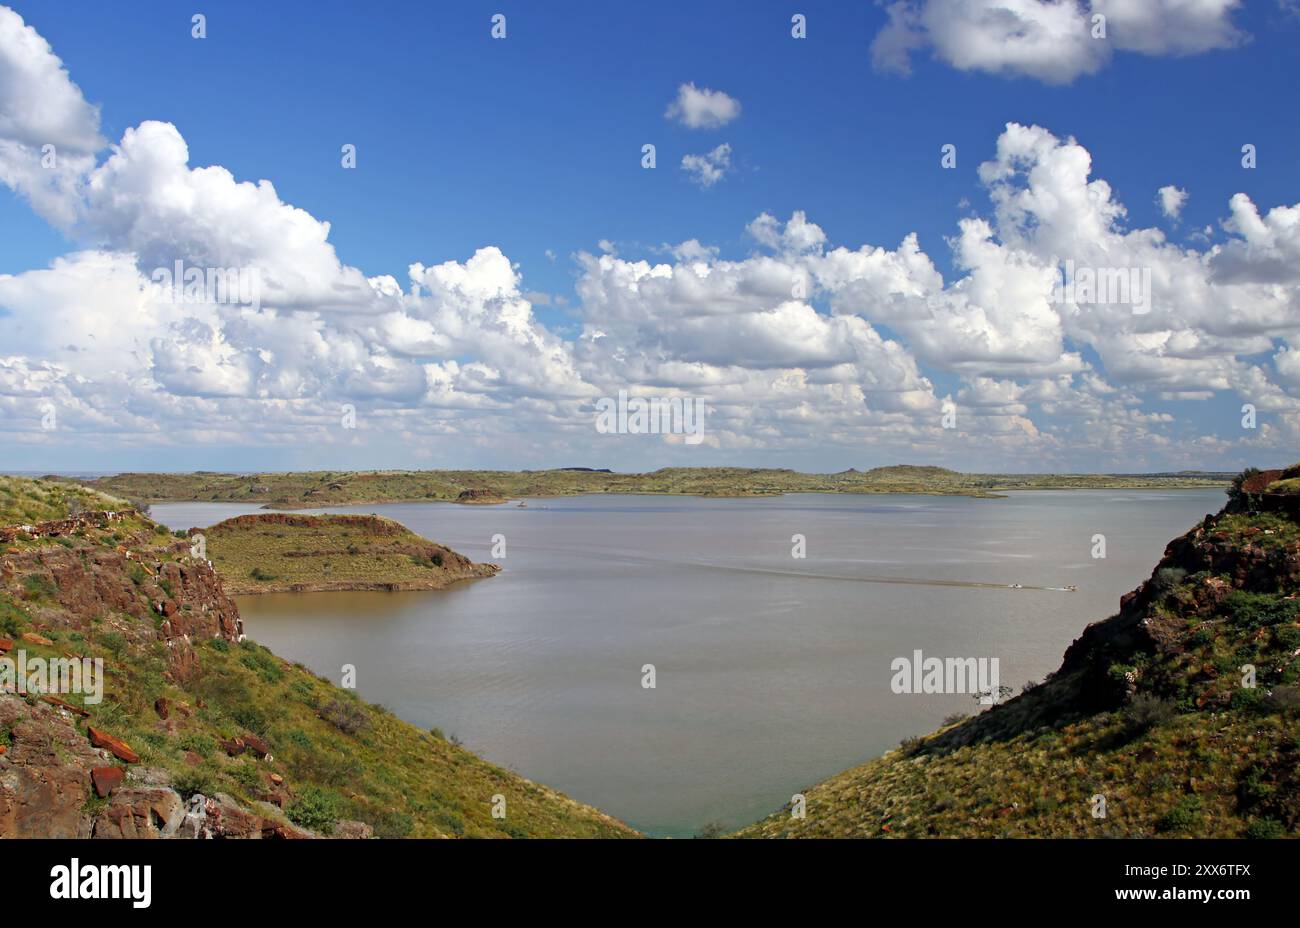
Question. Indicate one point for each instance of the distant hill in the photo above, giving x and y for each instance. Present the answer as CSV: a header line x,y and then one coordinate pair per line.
x,y
342,488
912,472
1149,711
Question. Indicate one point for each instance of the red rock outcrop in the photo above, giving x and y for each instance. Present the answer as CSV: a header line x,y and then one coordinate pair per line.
x,y
115,746
106,779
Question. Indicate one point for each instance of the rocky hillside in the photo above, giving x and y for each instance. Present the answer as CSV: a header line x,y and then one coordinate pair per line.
x,y
1182,712
199,732
277,552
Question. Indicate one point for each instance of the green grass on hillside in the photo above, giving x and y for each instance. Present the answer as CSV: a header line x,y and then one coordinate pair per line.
x,y
24,501
267,553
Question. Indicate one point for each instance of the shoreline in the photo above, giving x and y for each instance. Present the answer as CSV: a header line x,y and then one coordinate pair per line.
x,y
346,586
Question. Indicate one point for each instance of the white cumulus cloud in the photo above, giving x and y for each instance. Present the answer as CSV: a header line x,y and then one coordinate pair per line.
x,y
702,108
709,168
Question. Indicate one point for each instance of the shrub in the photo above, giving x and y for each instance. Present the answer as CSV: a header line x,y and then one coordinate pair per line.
x,y
1265,828
335,768
260,575
1284,699
12,619
113,642
391,824
1144,712
36,586
1182,816
1250,699
262,663
247,775
911,746
345,715
193,780
1260,610
303,691
298,738
1167,578
199,743
315,808
450,821
250,716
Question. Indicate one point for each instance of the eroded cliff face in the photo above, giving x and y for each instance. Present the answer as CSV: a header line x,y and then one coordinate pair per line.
x,y
108,575
92,576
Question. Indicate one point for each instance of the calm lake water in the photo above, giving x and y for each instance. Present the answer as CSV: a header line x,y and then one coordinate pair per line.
x,y
772,672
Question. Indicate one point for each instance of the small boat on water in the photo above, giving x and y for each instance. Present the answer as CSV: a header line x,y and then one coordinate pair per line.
x,y
1071,588
1016,586
522,505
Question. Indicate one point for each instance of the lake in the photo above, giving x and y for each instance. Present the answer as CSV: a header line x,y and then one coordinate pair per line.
x,y
772,672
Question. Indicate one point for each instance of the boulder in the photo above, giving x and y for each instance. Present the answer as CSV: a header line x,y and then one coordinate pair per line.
x,y
145,812
115,746
105,780
75,710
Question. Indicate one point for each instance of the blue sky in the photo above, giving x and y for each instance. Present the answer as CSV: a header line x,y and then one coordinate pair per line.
x,y
533,144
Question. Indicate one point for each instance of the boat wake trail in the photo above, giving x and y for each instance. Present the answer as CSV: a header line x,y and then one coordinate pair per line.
x,y
906,581
630,557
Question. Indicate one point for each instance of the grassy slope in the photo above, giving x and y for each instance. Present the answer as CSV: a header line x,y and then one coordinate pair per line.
x,y
1148,711
333,488
340,757
270,553
23,501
